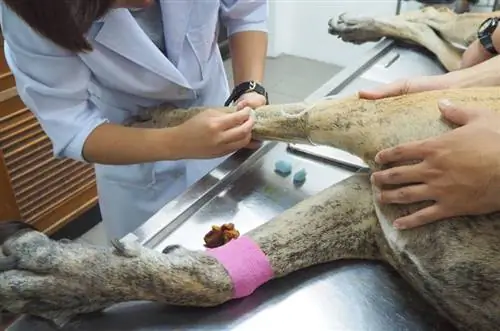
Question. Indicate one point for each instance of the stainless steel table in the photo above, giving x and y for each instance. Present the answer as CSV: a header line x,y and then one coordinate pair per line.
x,y
355,295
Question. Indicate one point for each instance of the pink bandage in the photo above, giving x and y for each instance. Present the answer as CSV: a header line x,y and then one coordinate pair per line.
x,y
247,266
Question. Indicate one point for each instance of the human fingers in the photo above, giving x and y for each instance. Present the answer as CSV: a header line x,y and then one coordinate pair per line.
x,y
460,115
241,132
421,217
252,100
406,174
229,121
405,194
415,150
407,86
387,90
241,105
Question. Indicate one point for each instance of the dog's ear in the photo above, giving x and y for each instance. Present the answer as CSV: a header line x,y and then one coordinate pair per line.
x,y
10,228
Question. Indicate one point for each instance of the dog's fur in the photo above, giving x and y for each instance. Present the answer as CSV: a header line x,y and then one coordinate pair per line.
x,y
452,263
439,30
460,6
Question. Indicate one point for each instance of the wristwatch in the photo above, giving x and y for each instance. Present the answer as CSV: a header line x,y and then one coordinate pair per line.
x,y
246,87
485,32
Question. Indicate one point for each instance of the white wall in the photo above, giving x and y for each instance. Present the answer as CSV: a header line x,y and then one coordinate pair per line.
x,y
300,27
281,13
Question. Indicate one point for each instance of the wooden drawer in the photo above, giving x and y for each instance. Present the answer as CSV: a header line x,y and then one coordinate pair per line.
x,y
47,192
34,186
10,102
6,81
4,68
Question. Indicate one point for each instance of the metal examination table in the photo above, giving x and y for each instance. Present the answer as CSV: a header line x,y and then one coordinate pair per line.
x,y
354,295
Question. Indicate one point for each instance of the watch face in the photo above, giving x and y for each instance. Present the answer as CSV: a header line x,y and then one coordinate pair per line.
x,y
484,26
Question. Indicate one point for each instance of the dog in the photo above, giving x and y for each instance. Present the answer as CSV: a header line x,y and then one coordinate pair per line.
x,y
439,30
453,263
461,6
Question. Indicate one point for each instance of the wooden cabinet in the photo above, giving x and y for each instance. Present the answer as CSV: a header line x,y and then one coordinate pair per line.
x,y
34,186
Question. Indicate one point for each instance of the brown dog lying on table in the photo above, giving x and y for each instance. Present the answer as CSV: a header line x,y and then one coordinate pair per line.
x,y
454,263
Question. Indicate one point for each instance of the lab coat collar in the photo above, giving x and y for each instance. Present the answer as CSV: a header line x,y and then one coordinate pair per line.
x,y
137,47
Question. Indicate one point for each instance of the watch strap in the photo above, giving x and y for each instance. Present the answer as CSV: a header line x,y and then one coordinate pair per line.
x,y
485,33
246,87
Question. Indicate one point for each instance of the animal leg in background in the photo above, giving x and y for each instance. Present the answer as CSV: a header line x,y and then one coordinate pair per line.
x,y
441,31
57,280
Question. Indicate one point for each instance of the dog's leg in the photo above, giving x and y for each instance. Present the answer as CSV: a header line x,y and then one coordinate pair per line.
x,y
458,29
361,127
359,30
56,281
463,6
338,223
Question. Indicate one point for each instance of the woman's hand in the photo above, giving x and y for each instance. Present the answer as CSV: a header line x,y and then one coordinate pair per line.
x,y
407,86
252,100
459,171
213,133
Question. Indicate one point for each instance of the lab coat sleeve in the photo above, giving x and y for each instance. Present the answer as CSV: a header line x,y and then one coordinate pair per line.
x,y
244,15
52,83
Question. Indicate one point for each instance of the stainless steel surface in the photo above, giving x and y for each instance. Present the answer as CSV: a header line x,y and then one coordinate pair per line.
x,y
353,295
254,197
333,155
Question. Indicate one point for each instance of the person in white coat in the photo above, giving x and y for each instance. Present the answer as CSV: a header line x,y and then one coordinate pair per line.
x,y
83,67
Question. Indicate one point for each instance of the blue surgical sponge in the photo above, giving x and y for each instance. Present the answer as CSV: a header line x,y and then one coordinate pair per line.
x,y
283,168
299,177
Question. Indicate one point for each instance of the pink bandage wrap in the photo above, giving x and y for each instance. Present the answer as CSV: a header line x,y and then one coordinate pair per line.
x,y
246,264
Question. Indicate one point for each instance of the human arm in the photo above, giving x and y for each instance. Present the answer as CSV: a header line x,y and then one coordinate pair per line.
x,y
248,53
246,23
483,74
53,82
477,53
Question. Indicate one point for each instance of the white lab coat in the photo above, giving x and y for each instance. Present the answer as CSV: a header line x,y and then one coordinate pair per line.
x,y
71,94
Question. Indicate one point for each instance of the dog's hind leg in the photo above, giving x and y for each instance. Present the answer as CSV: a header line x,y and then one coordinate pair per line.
x,y
360,30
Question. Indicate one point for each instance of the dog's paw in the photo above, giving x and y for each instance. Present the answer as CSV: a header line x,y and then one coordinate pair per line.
x,y
356,30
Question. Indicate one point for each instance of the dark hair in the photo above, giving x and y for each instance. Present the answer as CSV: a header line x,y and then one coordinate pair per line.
x,y
64,22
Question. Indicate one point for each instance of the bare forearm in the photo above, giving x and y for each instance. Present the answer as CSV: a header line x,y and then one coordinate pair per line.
x,y
483,74
119,145
248,53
